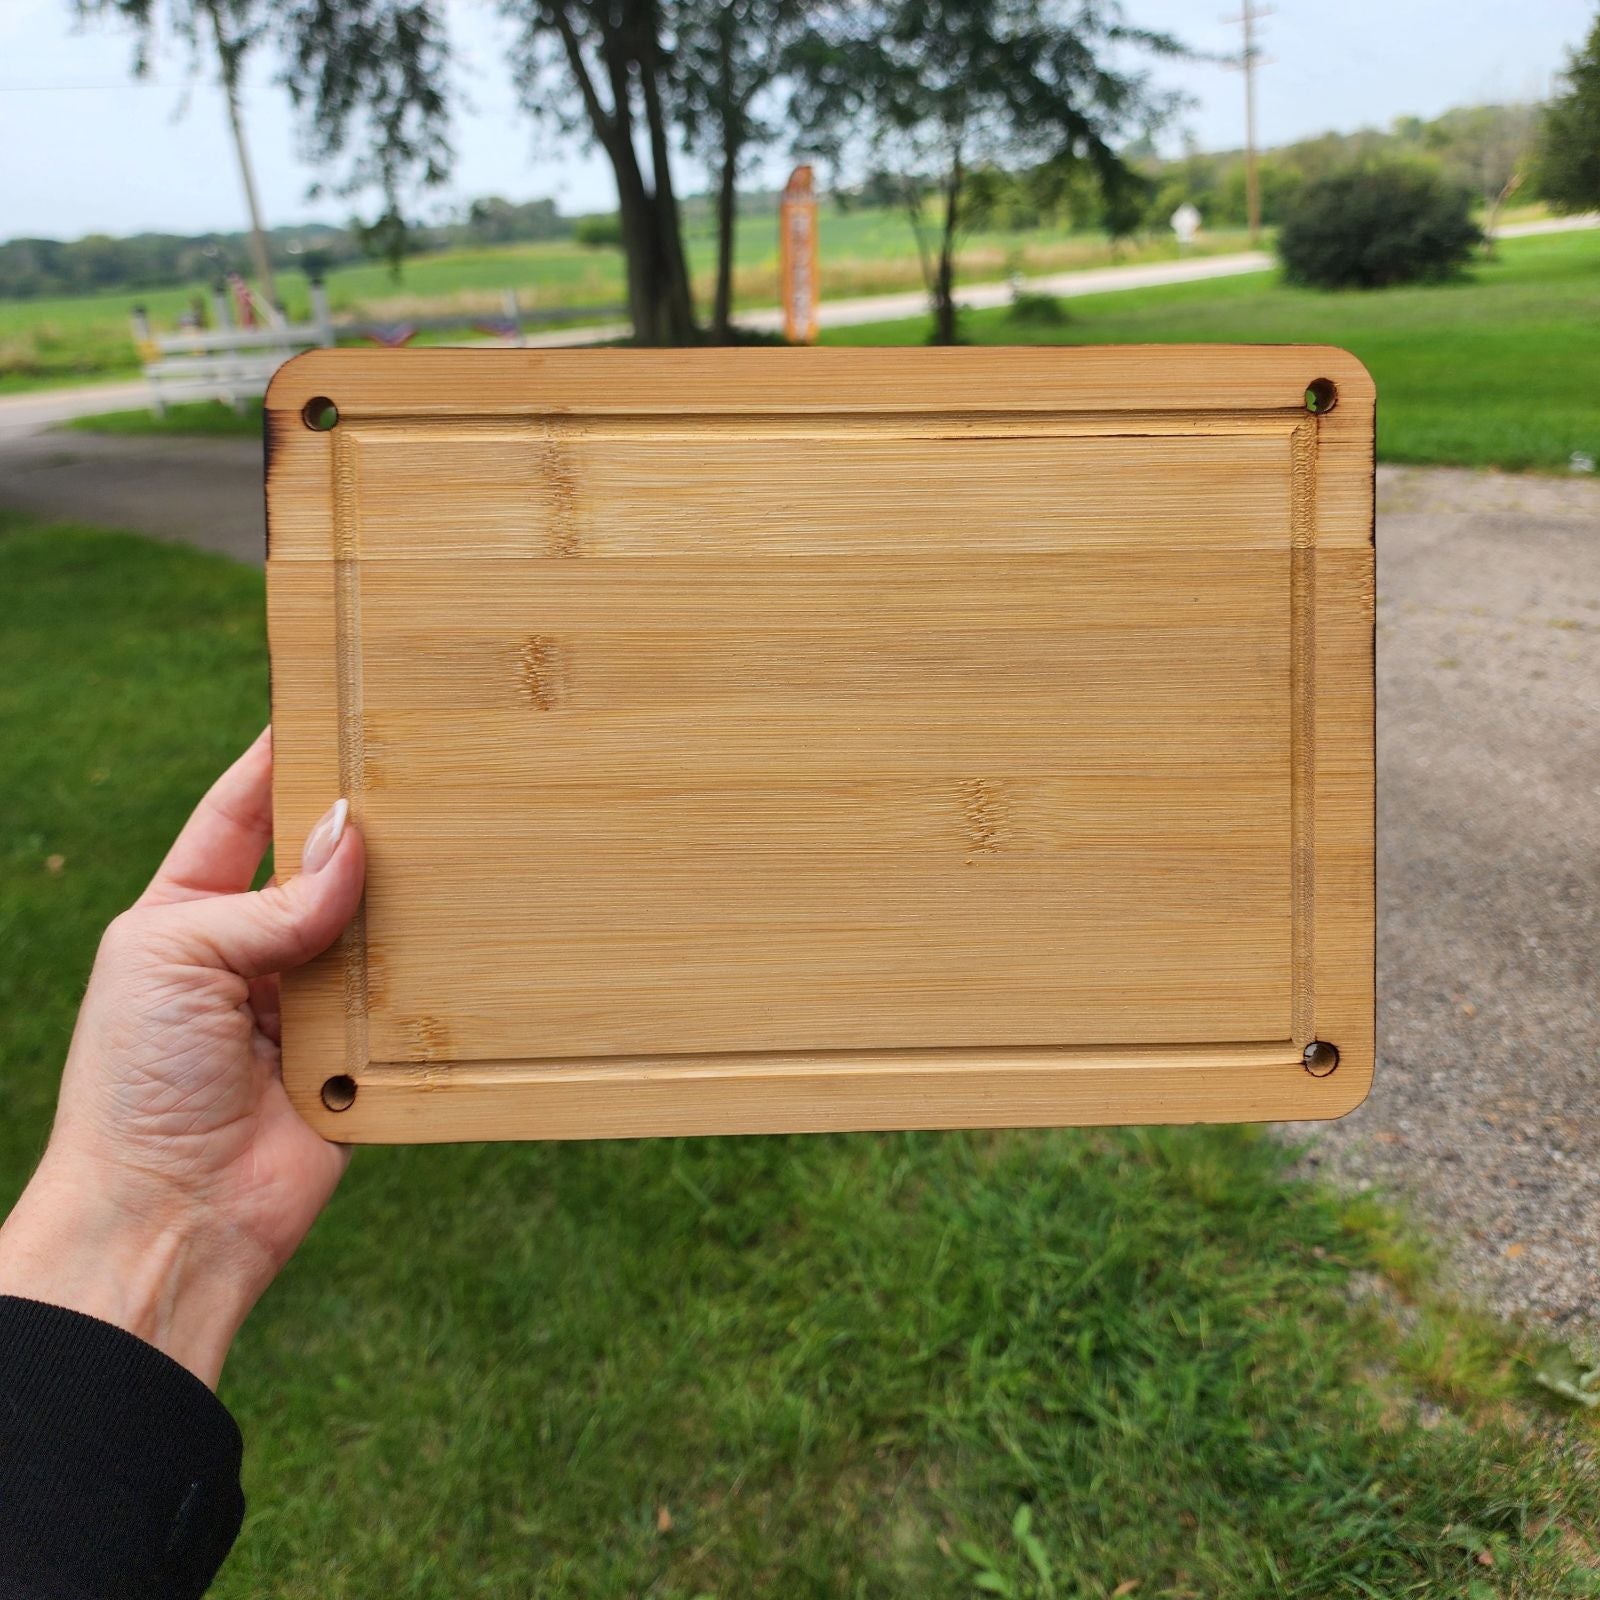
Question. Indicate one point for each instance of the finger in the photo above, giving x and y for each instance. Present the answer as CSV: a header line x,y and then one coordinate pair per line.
x,y
264,999
222,843
264,1002
283,926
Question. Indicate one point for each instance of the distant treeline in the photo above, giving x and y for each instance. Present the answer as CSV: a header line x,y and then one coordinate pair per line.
x,y
31,268
1484,149
1481,148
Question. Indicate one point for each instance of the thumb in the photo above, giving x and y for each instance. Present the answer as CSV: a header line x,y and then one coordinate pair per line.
x,y
286,924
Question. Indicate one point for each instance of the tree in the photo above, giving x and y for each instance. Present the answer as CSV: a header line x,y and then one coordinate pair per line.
x,y
371,73
230,28
1567,166
601,66
602,231
1486,149
727,55
492,220
595,67
1377,226
1125,209
944,87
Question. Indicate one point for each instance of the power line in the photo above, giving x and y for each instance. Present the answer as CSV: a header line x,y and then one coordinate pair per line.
x,y
1250,58
81,88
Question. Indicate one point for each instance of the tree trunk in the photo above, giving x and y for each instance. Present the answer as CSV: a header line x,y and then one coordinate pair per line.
x,y
727,205
677,303
638,233
912,200
727,189
944,289
658,299
228,58
652,238
657,282
1491,219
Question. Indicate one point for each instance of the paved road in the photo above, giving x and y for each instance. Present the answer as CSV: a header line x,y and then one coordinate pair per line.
x,y
1063,285
203,491
42,408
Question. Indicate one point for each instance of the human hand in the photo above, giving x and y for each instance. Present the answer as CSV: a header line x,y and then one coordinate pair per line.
x,y
178,1179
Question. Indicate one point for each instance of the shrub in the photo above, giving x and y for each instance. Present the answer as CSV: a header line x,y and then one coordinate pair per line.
x,y
1033,310
1377,226
600,232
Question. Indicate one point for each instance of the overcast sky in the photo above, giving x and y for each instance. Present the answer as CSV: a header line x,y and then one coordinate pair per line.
x,y
83,149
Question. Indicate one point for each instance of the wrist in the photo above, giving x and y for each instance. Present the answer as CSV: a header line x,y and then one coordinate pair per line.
x,y
151,1263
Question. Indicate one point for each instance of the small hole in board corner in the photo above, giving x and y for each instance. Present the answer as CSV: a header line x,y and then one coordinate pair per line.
x,y
1321,1058
320,414
1322,395
339,1094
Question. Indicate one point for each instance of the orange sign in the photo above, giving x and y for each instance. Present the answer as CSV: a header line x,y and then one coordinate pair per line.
x,y
797,251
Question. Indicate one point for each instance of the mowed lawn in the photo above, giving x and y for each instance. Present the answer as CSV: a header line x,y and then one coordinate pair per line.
x,y
1498,369
1072,1365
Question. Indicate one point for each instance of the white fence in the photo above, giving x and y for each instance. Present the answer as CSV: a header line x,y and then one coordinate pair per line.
x,y
234,364
224,362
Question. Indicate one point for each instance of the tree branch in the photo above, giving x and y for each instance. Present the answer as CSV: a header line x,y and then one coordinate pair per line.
x,y
605,127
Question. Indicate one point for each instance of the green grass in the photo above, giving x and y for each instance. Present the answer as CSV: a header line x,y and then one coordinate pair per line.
x,y
196,418
1495,370
1485,372
922,1365
77,338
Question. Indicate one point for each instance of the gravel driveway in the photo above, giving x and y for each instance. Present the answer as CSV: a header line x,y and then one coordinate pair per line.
x,y
1489,837
1486,1109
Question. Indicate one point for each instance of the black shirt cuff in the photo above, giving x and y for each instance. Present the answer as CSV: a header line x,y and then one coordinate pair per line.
x,y
119,1469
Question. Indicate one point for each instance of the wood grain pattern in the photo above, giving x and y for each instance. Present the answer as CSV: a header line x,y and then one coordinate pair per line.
x,y
758,741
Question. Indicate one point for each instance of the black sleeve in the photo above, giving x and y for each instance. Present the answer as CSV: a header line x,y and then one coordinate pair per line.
x,y
119,1469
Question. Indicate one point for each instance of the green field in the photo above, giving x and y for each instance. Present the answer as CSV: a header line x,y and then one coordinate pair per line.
x,y
1491,371
1496,370
53,341
1077,1366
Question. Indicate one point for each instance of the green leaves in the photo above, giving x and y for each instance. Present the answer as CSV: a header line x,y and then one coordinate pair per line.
x,y
1567,164
1038,1557
934,90
1563,1374
1030,1578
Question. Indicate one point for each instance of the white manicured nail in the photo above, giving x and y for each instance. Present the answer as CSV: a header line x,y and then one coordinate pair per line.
x,y
323,839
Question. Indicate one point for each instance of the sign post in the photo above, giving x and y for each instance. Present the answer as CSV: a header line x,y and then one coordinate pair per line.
x,y
1186,224
797,254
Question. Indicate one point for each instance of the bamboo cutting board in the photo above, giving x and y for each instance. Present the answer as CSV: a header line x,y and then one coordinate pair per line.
x,y
778,740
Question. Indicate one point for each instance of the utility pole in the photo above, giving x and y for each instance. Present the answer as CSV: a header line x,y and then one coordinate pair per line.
x,y
228,55
1249,58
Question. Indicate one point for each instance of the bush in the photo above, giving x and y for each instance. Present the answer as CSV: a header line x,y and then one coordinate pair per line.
x,y
599,232
1030,309
1375,227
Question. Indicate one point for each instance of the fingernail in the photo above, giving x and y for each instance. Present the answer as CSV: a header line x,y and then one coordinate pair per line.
x,y
323,839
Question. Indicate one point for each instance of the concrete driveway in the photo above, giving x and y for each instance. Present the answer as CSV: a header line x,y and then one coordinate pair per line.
x,y
1487,1106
